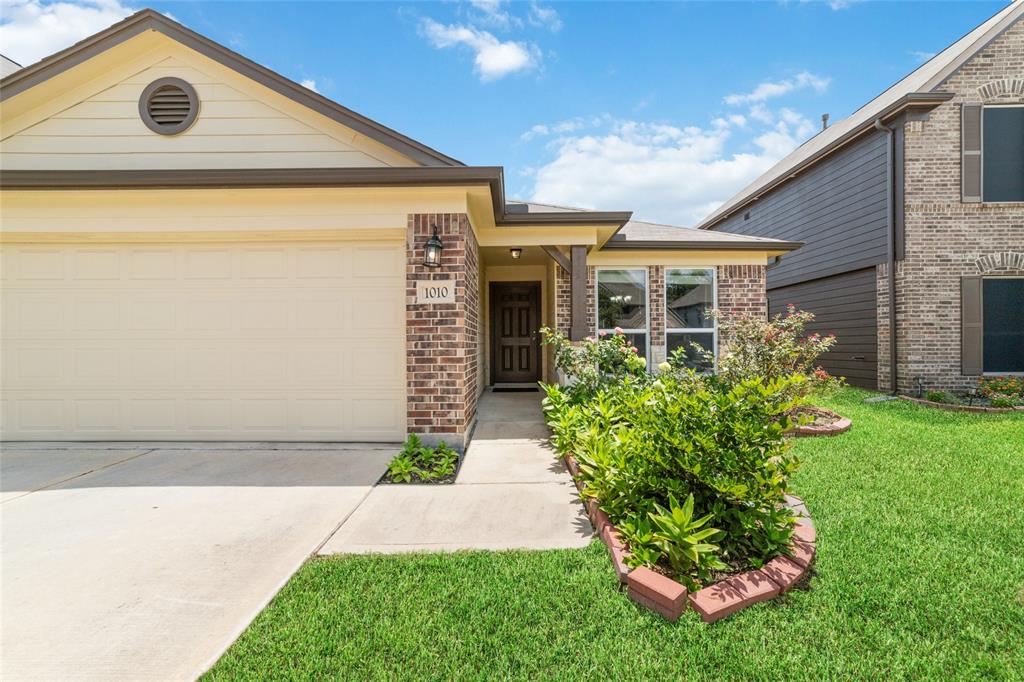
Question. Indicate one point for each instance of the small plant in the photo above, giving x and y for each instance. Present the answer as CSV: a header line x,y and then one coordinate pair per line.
x,y
1002,400
426,465
1012,386
772,349
944,397
596,362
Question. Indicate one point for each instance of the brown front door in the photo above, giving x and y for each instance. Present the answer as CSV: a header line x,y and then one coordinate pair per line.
x,y
515,342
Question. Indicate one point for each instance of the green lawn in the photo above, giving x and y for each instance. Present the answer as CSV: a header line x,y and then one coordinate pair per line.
x,y
920,574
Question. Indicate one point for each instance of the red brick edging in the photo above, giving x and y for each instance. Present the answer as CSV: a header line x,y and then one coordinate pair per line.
x,y
841,425
669,598
960,408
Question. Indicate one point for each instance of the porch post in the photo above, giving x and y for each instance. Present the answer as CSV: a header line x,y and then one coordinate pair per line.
x,y
578,329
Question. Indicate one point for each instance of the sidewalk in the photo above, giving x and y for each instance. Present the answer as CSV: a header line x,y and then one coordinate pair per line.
x,y
511,493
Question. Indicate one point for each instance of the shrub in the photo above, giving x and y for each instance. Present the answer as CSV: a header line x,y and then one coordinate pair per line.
x,y
1008,386
1002,400
419,463
596,362
769,349
643,445
944,397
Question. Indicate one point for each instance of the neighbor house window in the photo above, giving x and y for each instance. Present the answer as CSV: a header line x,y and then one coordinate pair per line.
x,y
689,296
622,303
1002,324
1002,156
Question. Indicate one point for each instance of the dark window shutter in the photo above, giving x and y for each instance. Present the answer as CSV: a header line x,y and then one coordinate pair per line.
x,y
970,326
970,144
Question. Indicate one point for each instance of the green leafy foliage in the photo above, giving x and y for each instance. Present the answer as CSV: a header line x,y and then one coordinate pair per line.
x,y
944,397
595,363
769,349
426,465
643,444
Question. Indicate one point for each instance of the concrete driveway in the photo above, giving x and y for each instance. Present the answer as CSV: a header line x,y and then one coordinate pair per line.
x,y
139,562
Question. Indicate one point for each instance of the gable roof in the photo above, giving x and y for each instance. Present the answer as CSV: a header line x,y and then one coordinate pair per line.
x,y
637,234
917,90
149,20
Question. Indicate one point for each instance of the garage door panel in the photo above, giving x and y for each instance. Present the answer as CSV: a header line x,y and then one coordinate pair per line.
x,y
204,343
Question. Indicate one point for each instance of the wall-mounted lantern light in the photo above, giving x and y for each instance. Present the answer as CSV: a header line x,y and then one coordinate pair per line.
x,y
432,250
516,253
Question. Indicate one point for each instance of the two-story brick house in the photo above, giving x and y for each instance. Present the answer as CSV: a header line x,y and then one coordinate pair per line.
x,y
929,176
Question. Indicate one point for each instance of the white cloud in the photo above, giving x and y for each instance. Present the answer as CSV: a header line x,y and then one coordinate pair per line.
x,y
309,83
493,58
770,89
663,172
492,13
31,29
561,127
545,17
921,55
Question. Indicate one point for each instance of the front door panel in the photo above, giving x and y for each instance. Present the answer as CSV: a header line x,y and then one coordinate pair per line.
x,y
515,312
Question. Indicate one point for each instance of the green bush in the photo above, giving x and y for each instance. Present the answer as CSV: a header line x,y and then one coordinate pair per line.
x,y
642,445
769,349
1002,400
1008,386
419,463
944,397
595,363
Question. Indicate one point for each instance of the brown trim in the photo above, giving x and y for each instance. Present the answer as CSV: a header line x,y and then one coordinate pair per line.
x,y
149,20
578,297
213,178
558,257
537,303
914,103
701,246
159,128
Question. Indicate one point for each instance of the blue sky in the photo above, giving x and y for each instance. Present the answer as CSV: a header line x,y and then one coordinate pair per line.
x,y
662,108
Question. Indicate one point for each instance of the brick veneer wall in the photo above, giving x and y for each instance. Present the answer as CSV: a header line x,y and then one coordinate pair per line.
x,y
442,338
741,291
945,238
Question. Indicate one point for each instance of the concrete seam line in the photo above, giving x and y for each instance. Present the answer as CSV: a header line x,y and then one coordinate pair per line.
x,y
84,473
316,550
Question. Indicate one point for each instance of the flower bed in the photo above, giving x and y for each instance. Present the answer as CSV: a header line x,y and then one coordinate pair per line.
x,y
418,464
670,599
824,423
958,407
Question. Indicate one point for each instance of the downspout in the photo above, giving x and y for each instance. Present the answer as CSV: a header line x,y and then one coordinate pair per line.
x,y
890,223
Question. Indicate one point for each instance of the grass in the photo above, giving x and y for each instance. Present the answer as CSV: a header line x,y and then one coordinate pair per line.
x,y
920,575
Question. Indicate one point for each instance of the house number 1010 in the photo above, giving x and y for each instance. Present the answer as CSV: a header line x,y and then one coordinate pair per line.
x,y
435,291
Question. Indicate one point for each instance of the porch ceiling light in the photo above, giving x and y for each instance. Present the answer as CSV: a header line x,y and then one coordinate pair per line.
x,y
432,250
516,253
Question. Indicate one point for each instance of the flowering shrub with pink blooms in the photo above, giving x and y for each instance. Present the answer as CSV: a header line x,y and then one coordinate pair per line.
x,y
773,349
596,361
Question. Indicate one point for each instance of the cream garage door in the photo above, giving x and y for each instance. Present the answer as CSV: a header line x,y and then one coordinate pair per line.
x,y
204,342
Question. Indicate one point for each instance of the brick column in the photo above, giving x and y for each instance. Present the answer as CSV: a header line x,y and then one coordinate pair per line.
x,y
656,313
742,290
442,338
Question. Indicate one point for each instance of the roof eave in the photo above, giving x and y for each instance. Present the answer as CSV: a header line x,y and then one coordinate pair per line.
x,y
914,102
701,246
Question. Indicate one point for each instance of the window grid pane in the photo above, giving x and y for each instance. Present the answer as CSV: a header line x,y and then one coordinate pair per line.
x,y
1003,324
622,299
689,294
684,340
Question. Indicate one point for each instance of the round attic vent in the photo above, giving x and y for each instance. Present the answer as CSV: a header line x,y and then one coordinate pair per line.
x,y
168,106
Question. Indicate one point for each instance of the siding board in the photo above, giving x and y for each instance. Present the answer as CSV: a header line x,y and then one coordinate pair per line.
x,y
844,305
836,208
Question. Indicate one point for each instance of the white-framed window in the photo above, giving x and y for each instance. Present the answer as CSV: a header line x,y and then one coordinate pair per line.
x,y
1002,155
622,302
689,294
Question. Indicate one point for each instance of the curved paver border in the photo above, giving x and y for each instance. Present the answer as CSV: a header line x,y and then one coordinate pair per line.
x,y
960,408
669,598
841,425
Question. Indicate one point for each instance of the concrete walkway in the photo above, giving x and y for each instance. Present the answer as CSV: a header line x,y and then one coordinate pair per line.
x,y
511,493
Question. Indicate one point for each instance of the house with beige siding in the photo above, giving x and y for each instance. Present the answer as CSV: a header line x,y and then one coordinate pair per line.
x,y
196,248
918,198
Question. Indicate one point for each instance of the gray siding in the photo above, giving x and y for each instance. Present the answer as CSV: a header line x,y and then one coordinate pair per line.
x,y
837,208
844,305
